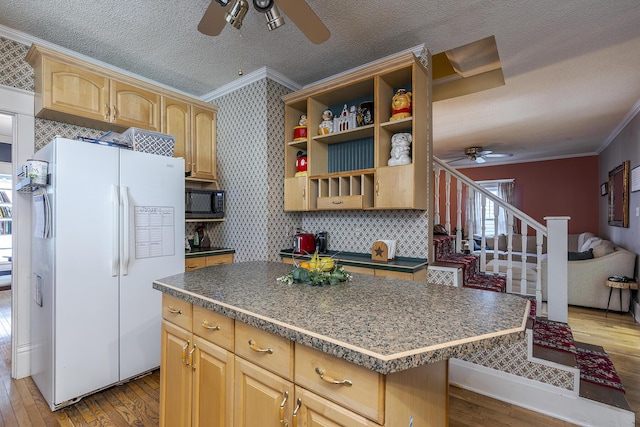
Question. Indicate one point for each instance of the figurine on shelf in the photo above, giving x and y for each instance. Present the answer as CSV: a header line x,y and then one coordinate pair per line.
x,y
300,131
365,113
401,105
400,149
326,127
301,163
346,120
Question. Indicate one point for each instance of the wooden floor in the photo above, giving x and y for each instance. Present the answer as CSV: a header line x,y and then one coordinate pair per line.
x,y
136,403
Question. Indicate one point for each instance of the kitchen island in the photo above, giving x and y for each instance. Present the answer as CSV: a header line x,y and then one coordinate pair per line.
x,y
371,351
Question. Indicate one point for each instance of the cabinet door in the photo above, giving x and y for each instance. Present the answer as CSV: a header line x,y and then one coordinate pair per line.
x,y
176,121
295,194
175,377
203,143
132,106
74,91
212,385
316,411
395,187
259,395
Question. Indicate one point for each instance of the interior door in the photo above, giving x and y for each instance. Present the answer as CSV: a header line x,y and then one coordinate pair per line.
x,y
152,195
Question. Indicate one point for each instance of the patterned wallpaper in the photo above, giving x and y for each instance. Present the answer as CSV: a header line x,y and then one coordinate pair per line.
x,y
251,170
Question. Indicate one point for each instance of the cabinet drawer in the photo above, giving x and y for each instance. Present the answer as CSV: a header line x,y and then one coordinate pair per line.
x,y
365,396
214,327
194,263
269,351
340,202
315,411
219,259
176,311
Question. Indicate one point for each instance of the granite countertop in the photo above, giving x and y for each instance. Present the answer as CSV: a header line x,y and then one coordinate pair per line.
x,y
199,252
404,264
385,325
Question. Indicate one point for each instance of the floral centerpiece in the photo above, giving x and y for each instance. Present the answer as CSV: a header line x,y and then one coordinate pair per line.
x,y
316,272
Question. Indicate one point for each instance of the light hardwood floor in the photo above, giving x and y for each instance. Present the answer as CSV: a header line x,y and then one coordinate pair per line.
x,y
136,403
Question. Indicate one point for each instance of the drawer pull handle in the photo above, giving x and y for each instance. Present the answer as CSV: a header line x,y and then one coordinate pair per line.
x,y
377,187
294,419
254,346
285,396
337,202
107,112
173,310
184,352
192,266
331,380
206,325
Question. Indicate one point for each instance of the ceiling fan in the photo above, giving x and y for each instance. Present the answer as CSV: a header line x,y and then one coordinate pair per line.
x,y
479,155
221,12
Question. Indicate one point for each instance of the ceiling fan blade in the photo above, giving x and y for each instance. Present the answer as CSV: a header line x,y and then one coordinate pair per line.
x,y
213,22
480,159
305,19
497,155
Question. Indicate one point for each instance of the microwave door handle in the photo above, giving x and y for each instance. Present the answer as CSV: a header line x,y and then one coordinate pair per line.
x,y
125,223
115,255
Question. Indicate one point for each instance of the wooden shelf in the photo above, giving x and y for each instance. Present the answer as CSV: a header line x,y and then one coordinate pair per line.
x,y
347,135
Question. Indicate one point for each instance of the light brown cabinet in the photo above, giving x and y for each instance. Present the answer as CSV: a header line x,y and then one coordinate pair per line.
x,y
202,262
197,372
277,382
74,91
347,169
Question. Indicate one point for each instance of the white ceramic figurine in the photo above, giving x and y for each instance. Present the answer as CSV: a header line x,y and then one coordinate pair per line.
x,y
400,149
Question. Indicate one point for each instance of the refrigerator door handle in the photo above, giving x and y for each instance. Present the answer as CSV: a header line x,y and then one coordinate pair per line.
x,y
125,222
115,258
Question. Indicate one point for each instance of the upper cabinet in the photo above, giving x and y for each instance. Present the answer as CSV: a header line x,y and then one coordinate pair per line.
x,y
348,166
73,91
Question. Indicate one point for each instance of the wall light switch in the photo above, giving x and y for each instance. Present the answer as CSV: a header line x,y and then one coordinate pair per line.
x,y
637,211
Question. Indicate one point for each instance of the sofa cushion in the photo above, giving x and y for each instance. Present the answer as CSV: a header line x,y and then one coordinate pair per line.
x,y
591,243
579,256
603,249
583,238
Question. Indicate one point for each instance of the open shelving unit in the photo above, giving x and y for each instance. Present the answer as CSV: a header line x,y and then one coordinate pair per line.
x,y
348,169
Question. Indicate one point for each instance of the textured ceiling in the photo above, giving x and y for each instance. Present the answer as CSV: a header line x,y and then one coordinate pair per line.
x,y
571,67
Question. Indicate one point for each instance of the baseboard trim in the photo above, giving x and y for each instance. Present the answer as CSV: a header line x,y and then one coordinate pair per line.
x,y
23,354
535,396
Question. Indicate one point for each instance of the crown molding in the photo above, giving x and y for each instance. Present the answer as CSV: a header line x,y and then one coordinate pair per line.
x,y
625,121
27,40
247,79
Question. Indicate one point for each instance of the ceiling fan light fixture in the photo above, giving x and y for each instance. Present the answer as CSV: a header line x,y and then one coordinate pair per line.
x,y
235,15
274,19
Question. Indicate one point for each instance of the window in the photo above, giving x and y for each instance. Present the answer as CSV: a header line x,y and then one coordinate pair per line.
x,y
502,189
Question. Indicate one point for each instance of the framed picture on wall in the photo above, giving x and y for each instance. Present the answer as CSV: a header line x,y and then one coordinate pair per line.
x,y
604,188
635,179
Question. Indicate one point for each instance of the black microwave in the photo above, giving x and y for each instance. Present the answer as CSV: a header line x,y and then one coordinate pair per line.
x,y
203,204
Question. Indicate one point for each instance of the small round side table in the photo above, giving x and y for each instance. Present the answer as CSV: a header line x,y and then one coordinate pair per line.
x,y
620,286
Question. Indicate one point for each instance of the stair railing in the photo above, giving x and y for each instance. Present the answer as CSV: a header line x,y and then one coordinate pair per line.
x,y
518,273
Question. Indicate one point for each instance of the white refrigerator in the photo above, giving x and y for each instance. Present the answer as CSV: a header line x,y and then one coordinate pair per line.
x,y
109,223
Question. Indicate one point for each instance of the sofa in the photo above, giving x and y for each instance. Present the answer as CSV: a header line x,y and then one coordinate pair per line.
x,y
530,248
586,277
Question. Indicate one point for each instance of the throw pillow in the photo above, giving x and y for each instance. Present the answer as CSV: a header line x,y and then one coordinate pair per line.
x,y
583,238
477,244
602,250
591,243
580,256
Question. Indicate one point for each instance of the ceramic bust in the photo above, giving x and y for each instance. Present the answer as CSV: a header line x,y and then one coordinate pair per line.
x,y
326,127
401,105
400,149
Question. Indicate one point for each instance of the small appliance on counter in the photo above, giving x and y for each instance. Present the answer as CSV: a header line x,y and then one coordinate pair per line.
x,y
304,243
322,242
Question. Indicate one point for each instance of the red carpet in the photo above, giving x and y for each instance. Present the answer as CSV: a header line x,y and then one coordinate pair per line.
x,y
596,367
555,335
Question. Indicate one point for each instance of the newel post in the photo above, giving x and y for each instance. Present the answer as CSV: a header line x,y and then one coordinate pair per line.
x,y
557,247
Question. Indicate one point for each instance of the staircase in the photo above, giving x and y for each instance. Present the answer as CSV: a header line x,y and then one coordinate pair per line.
x,y
548,371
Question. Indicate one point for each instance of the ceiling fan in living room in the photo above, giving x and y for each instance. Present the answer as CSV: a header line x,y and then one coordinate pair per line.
x,y
221,12
478,155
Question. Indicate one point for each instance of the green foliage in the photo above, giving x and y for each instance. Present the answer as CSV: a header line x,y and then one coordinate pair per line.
x,y
316,277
